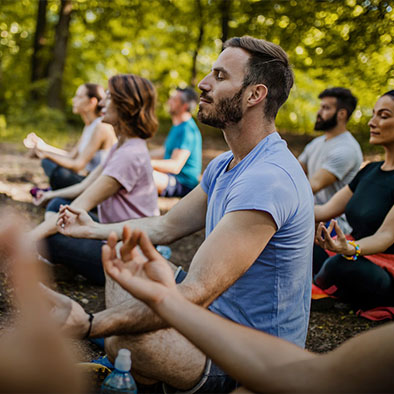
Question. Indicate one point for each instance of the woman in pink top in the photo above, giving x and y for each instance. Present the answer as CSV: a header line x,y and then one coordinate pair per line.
x,y
122,188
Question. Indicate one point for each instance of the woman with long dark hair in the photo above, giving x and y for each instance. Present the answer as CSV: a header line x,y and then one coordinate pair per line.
x,y
122,188
68,168
361,267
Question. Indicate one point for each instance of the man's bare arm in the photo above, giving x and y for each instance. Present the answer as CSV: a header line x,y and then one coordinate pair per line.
x,y
223,257
173,165
186,217
335,206
321,179
304,167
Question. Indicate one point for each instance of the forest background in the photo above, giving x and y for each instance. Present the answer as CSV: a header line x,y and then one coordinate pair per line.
x,y
49,47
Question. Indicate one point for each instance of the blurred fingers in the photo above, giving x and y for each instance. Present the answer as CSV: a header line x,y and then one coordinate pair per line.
x,y
147,247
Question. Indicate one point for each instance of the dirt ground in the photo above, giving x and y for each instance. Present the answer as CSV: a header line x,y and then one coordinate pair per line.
x,y
18,173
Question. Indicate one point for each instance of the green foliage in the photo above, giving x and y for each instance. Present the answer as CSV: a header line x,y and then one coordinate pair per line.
x,y
330,43
49,123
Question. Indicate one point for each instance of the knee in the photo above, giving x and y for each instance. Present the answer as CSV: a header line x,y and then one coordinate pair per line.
x,y
330,271
54,205
48,166
112,345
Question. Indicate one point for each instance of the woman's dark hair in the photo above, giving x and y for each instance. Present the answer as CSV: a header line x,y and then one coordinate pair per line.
x,y
134,99
390,93
96,91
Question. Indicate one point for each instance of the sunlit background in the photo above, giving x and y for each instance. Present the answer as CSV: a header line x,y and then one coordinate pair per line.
x,y
48,48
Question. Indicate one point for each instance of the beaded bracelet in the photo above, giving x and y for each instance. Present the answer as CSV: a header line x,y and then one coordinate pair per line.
x,y
356,253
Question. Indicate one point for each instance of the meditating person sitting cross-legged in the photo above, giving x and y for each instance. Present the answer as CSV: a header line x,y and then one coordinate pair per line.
x,y
66,168
362,271
122,188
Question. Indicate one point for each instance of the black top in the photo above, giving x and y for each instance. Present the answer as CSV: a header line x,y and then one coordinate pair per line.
x,y
373,197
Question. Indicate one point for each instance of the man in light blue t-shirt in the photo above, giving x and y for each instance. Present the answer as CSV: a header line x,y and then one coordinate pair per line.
x,y
256,205
177,165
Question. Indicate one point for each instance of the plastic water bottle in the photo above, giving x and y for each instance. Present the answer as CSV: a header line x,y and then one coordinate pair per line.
x,y
165,251
120,380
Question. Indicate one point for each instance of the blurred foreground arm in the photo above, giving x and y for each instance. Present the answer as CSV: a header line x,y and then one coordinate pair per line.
x,y
259,361
37,359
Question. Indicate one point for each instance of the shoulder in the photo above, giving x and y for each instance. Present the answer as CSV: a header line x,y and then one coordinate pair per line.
x,y
316,141
192,124
219,160
188,126
214,167
371,167
344,146
102,129
345,141
271,176
311,145
131,149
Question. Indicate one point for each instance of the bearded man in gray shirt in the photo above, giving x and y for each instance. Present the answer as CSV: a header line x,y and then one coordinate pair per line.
x,y
332,160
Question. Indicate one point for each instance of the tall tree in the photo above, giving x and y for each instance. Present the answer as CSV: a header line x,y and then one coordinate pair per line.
x,y
193,78
56,68
225,6
38,66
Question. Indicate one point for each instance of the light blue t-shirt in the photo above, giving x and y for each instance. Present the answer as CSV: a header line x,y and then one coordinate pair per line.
x,y
274,294
186,136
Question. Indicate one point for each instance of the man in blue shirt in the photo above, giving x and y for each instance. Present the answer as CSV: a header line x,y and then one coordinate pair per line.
x,y
177,165
256,205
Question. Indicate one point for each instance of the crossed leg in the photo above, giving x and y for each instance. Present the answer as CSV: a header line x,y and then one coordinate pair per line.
x,y
162,355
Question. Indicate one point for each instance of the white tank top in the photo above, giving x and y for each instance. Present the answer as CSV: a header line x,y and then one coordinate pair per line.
x,y
86,137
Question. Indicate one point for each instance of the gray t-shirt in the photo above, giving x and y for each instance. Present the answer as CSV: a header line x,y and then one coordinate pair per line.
x,y
341,156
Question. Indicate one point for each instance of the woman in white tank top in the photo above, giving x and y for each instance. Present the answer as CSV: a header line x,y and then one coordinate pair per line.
x,y
68,168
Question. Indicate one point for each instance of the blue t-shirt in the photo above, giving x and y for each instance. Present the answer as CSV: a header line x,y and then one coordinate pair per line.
x,y
186,136
274,293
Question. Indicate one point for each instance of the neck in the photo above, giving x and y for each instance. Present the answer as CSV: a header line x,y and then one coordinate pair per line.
x,y
388,158
180,118
338,129
88,117
245,135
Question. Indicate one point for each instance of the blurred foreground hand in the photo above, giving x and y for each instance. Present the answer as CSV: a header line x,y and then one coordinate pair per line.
x,y
35,357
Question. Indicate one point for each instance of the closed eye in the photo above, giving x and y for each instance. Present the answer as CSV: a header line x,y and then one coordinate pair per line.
x,y
220,75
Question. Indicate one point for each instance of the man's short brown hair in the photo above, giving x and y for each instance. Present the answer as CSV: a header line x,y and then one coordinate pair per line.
x,y
268,65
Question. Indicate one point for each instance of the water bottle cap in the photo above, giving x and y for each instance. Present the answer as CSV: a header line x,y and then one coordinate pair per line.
x,y
123,360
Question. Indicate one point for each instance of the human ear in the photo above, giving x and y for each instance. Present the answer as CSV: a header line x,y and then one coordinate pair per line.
x,y
94,101
342,114
256,94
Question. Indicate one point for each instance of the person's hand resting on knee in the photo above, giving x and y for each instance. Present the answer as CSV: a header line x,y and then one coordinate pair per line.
x,y
147,275
74,222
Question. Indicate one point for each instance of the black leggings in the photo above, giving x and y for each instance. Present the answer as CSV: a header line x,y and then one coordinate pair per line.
x,y
60,177
360,283
81,254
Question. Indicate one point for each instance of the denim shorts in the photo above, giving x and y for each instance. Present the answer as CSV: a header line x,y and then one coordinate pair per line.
x,y
175,188
213,379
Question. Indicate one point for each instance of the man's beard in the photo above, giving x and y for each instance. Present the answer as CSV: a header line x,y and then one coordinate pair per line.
x,y
328,124
227,111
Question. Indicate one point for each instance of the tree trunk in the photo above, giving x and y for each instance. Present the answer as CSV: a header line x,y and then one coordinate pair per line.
x,y
225,6
193,77
38,68
59,56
